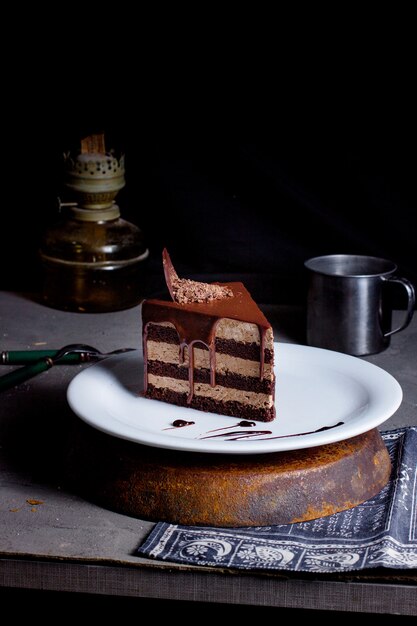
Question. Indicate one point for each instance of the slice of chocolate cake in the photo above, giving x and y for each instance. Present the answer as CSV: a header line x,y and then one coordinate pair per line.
x,y
211,349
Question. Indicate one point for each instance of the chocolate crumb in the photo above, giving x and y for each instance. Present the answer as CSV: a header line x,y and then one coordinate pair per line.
x,y
186,291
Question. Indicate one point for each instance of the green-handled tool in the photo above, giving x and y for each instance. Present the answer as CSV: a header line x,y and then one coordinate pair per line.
x,y
25,357
37,361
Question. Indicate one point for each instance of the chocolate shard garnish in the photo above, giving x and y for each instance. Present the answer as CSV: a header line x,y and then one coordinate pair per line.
x,y
184,290
171,276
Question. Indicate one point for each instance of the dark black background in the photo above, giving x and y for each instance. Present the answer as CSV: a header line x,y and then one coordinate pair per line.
x,y
249,146
241,175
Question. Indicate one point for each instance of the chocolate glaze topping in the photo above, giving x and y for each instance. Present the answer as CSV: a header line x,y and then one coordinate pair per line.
x,y
196,323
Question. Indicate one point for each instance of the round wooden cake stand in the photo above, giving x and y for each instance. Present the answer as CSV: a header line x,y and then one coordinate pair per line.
x,y
226,490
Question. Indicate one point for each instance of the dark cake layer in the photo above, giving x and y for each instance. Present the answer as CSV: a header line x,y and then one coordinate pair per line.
x,y
231,408
230,380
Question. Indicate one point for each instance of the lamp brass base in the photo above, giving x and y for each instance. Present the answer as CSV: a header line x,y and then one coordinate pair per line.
x,y
226,490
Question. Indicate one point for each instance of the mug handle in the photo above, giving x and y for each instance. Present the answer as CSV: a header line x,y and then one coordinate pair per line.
x,y
411,302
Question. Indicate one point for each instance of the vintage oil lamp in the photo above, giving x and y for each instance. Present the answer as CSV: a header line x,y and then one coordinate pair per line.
x,y
93,260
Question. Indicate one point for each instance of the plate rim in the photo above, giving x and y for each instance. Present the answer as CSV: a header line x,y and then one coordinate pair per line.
x,y
248,446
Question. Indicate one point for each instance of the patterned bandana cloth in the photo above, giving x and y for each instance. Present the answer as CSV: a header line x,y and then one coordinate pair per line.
x,y
381,532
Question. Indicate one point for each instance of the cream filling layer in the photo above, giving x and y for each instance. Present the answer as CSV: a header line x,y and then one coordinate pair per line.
x,y
219,393
237,331
169,353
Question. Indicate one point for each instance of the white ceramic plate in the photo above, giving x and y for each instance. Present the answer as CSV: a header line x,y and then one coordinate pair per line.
x,y
316,389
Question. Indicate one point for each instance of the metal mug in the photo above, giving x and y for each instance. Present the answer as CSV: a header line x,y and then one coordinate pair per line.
x,y
348,308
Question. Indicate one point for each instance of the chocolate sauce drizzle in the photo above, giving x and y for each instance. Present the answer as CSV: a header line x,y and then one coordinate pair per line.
x,y
243,423
235,435
240,434
179,424
212,360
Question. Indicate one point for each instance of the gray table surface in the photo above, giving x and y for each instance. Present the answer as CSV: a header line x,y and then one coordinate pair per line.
x,y
66,543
